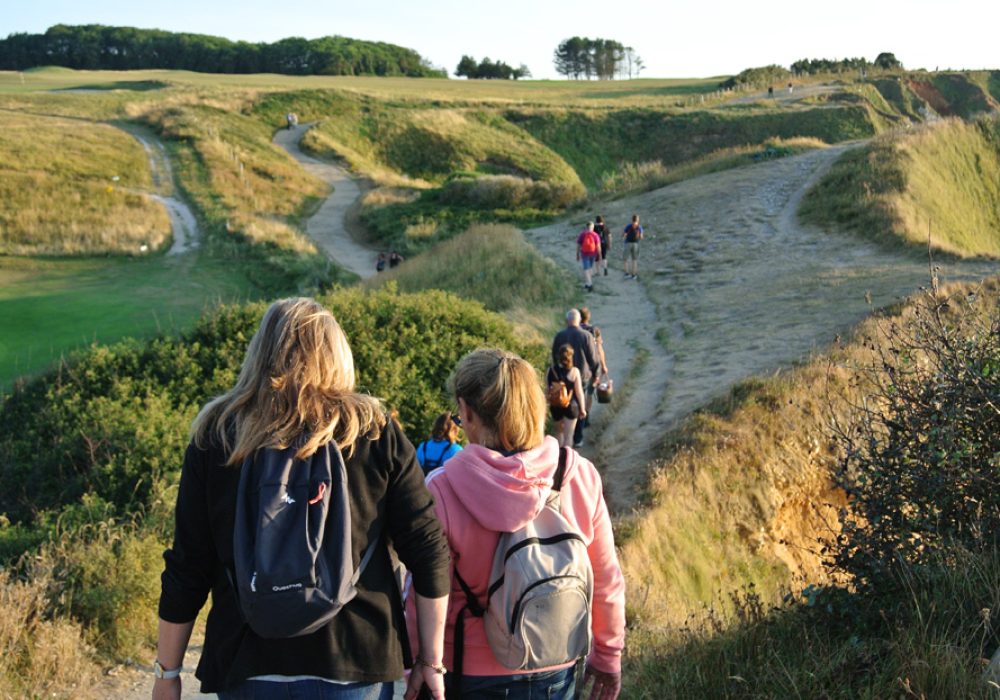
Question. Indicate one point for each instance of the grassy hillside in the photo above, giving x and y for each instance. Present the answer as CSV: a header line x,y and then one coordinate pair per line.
x,y
942,180
72,187
596,143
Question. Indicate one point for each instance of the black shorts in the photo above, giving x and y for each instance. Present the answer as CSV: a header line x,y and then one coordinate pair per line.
x,y
604,251
571,412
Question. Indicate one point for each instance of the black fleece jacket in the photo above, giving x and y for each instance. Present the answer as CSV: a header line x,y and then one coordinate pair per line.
x,y
366,641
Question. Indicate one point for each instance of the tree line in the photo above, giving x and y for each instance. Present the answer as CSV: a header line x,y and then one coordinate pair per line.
x,y
604,59
812,66
490,70
99,47
764,75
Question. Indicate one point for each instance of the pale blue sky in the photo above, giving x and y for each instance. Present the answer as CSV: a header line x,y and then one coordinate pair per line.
x,y
675,39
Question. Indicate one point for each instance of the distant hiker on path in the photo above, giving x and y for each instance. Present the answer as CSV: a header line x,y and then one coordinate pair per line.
x,y
294,408
512,477
292,120
442,444
395,258
632,235
588,252
564,391
380,263
602,230
591,388
584,356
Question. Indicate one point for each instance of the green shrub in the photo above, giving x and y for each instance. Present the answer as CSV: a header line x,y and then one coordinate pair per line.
x,y
759,77
922,452
113,421
508,192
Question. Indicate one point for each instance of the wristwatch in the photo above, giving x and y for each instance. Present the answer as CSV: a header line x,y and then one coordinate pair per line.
x,y
165,673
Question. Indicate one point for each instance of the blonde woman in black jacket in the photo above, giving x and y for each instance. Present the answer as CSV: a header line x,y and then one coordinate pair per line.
x,y
296,386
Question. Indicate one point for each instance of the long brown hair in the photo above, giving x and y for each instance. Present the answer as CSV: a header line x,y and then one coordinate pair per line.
x,y
297,381
505,393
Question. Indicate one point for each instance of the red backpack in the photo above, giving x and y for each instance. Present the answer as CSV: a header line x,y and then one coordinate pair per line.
x,y
590,244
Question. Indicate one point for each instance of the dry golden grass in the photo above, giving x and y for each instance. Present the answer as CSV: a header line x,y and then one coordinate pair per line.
x,y
59,196
39,657
384,196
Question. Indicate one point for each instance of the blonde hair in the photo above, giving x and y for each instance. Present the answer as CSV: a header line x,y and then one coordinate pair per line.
x,y
297,381
505,393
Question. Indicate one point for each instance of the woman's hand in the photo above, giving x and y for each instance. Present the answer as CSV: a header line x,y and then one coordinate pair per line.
x,y
605,686
421,676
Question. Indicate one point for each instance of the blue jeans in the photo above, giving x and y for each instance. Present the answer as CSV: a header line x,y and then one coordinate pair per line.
x,y
307,690
551,685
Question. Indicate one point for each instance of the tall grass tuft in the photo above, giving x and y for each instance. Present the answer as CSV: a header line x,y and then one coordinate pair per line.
x,y
496,266
41,655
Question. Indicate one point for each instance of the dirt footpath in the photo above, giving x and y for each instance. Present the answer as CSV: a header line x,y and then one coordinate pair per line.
x,y
731,285
184,225
327,226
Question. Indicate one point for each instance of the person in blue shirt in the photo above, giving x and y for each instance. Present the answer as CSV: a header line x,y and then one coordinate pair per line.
x,y
441,446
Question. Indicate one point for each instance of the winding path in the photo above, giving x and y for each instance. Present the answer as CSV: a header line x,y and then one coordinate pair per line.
x,y
327,226
184,225
731,285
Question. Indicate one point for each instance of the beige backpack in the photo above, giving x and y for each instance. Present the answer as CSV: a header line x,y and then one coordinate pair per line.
x,y
538,606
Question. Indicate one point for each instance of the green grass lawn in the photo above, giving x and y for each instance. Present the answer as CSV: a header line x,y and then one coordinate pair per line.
x,y
49,307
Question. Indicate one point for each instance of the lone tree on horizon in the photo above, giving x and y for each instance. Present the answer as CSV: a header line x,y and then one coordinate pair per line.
x,y
888,61
604,59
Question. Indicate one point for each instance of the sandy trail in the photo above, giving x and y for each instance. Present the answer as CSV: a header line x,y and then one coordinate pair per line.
x,y
327,226
183,223
731,285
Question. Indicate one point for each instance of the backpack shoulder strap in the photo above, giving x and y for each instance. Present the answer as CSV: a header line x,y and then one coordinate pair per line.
x,y
557,480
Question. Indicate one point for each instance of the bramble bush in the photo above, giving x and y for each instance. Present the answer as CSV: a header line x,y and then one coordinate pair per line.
x,y
921,452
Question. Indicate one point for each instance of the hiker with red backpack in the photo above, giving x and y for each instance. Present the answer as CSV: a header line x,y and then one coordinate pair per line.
x,y
588,252
536,584
283,515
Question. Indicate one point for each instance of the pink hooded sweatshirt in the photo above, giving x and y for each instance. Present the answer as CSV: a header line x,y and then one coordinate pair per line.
x,y
479,493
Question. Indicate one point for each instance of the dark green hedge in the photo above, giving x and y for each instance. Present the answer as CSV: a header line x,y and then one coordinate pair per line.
x,y
113,421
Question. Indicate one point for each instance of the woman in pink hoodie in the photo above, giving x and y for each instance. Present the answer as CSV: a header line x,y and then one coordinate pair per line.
x,y
498,484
